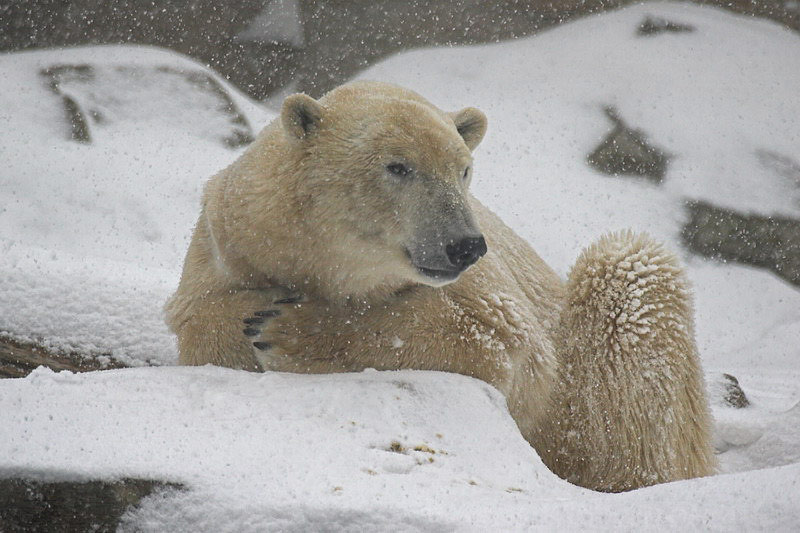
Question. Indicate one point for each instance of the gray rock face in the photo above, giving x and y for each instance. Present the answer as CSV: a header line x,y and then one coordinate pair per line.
x,y
18,359
627,152
29,505
734,395
334,39
724,390
767,242
338,39
76,117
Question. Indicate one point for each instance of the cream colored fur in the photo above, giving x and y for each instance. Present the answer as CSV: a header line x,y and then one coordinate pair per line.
x,y
629,407
601,376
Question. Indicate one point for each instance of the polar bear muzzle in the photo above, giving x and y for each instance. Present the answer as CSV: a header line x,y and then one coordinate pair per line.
x,y
444,263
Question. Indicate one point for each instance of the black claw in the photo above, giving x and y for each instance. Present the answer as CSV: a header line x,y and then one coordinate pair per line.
x,y
262,345
268,313
250,332
289,300
254,320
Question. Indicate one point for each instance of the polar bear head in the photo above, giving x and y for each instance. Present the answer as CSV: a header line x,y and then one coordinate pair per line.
x,y
385,178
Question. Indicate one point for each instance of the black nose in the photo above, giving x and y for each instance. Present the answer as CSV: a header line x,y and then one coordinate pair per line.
x,y
465,252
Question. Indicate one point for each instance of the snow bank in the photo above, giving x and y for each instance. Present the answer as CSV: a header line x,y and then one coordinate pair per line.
x,y
321,446
408,451
92,236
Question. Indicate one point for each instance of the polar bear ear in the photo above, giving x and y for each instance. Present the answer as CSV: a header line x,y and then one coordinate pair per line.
x,y
471,125
301,115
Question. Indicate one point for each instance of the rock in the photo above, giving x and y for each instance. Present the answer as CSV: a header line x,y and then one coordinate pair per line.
x,y
724,390
338,38
29,505
724,234
98,97
240,134
332,40
76,117
626,151
19,359
654,26
734,395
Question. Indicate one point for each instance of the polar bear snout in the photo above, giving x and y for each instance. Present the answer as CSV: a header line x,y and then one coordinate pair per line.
x,y
442,261
466,252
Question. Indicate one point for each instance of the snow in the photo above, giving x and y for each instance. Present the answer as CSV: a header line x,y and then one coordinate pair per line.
x,y
92,238
93,235
337,452
209,427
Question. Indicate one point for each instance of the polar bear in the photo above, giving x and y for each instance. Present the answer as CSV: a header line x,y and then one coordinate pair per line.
x,y
345,237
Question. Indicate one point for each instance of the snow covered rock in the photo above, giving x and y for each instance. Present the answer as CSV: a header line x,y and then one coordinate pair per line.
x,y
89,231
406,451
98,97
657,25
408,446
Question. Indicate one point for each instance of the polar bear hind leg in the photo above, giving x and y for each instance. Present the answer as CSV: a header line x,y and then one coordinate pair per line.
x,y
629,408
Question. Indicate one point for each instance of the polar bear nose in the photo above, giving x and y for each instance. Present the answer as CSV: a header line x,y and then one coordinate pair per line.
x,y
465,252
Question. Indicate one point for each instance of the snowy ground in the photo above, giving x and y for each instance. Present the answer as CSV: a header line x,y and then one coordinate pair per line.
x,y
301,453
92,238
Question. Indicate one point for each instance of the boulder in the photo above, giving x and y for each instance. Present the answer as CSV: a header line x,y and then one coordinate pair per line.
x,y
627,152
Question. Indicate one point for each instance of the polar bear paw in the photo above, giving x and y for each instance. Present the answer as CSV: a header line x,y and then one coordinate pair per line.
x,y
260,329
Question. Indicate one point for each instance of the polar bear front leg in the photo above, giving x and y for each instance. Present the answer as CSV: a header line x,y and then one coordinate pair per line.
x,y
295,334
408,331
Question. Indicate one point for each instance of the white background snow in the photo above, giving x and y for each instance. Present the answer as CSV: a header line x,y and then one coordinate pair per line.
x,y
92,238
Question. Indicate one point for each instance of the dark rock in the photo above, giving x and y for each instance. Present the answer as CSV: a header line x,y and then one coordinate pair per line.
x,y
241,135
724,390
339,37
654,26
31,505
734,395
76,117
772,242
19,359
626,151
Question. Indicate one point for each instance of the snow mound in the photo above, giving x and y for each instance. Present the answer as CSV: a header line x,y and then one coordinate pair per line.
x,y
93,234
322,446
408,451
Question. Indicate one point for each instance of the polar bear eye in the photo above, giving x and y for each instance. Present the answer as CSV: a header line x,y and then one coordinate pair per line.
x,y
466,174
399,169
